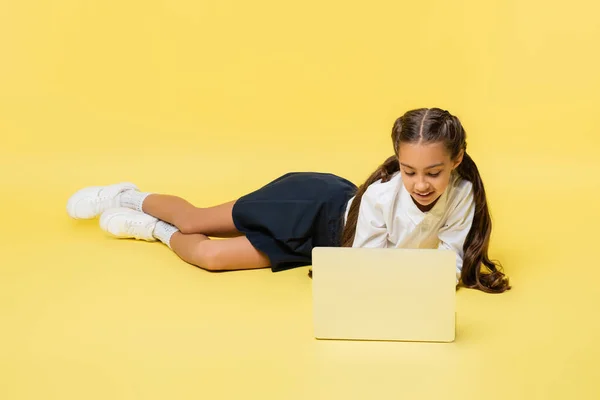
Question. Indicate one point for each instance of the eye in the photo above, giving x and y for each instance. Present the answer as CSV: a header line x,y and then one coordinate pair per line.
x,y
409,173
433,175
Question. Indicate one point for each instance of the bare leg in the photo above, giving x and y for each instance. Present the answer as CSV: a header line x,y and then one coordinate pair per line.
x,y
218,255
212,221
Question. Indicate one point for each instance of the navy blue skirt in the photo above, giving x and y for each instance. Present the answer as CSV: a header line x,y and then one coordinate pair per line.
x,y
291,215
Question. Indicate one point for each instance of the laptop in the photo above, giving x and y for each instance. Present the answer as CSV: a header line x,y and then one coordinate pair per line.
x,y
384,294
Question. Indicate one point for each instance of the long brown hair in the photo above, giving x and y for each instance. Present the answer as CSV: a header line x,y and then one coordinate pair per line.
x,y
429,126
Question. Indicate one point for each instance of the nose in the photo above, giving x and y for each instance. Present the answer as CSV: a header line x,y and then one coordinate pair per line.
x,y
421,185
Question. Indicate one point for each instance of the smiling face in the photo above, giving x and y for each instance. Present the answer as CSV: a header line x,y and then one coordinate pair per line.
x,y
426,169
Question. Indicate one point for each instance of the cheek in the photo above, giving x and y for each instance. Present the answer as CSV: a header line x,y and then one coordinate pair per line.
x,y
441,183
407,181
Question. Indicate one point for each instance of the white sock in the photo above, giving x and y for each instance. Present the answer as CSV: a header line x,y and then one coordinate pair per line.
x,y
163,232
133,199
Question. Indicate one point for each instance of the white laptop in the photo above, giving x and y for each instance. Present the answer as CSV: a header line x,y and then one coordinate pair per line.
x,y
384,294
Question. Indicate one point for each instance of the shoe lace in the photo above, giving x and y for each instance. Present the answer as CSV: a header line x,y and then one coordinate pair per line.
x,y
134,228
97,203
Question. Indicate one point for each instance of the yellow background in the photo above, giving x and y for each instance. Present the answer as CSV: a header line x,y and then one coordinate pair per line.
x,y
211,99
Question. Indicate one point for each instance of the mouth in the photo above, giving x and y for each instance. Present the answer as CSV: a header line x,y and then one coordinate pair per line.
x,y
423,196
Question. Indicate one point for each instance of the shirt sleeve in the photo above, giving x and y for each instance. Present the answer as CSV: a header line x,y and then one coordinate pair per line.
x,y
454,232
371,229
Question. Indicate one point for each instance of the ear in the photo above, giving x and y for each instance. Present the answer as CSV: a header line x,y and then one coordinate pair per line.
x,y
458,159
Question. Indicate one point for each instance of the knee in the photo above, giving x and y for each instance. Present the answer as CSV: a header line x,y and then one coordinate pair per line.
x,y
209,256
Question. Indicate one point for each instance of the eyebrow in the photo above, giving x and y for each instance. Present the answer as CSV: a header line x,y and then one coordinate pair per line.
x,y
431,166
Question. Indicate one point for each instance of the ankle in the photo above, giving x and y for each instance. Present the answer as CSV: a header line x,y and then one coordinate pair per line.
x,y
133,199
163,231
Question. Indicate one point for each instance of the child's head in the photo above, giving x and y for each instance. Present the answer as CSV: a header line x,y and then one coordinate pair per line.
x,y
430,144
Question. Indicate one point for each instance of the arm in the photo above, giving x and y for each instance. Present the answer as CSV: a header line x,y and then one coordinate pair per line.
x,y
454,232
371,229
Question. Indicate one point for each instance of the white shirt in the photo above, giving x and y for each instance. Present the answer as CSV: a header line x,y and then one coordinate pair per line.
x,y
388,217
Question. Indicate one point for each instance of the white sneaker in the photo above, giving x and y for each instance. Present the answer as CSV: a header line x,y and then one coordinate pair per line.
x,y
92,201
127,223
